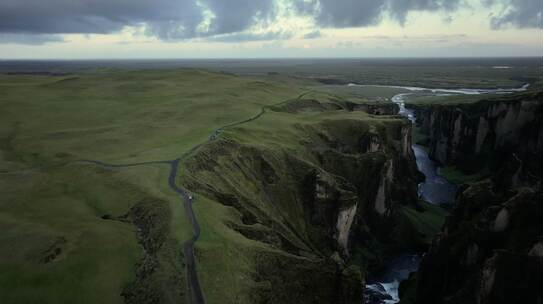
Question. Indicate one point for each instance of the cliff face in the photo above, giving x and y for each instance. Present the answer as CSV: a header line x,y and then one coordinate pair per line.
x,y
487,134
489,250
338,185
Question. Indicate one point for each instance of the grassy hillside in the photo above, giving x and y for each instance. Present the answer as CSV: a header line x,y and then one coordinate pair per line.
x,y
58,246
84,234
121,115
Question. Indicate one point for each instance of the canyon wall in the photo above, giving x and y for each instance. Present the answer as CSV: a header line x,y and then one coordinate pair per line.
x,y
489,252
490,249
309,195
487,134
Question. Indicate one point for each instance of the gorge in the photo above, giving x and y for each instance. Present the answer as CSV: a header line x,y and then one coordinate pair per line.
x,y
335,194
487,251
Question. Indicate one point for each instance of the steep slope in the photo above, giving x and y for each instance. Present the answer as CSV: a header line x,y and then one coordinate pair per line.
x,y
298,195
490,250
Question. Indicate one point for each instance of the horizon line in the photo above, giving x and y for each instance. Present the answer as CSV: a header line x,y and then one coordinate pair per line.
x,y
269,58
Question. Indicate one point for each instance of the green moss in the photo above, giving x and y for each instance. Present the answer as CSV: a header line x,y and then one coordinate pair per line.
x,y
422,225
456,176
418,137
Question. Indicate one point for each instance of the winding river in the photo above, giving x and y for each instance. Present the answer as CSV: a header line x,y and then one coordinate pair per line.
x,y
383,288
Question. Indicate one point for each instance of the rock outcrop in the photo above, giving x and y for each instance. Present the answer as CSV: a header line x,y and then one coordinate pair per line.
x,y
305,105
489,250
375,108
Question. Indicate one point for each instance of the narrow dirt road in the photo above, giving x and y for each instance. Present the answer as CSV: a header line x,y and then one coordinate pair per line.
x,y
194,291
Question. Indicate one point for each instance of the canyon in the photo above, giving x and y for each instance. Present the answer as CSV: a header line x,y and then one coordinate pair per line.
x,y
489,249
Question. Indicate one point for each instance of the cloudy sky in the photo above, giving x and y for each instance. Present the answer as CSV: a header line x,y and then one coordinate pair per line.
x,y
269,28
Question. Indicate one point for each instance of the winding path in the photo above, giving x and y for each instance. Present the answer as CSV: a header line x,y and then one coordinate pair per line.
x,y
194,290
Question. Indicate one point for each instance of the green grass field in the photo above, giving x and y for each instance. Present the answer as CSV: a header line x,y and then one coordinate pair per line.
x,y
361,93
124,116
61,240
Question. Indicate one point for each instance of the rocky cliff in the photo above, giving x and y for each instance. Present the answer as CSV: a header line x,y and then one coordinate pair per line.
x,y
490,249
487,134
309,191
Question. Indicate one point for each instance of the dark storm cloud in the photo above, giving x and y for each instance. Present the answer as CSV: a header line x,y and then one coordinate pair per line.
x,y
167,19
237,15
90,16
229,17
38,21
181,19
356,13
346,13
519,13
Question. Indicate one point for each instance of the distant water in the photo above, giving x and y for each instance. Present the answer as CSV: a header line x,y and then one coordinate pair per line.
x,y
444,92
435,189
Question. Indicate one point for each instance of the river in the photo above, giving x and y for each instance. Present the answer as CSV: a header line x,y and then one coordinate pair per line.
x,y
383,288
